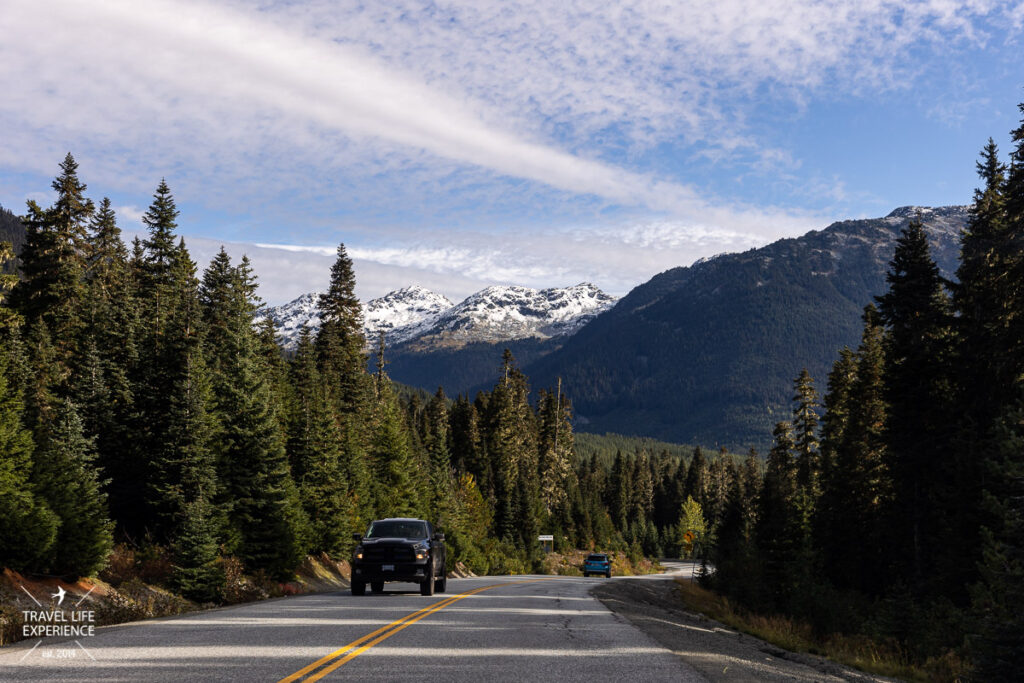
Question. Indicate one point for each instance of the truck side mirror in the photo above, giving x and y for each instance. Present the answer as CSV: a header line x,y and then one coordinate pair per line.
x,y
438,536
357,537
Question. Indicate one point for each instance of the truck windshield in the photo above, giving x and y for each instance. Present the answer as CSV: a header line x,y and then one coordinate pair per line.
x,y
397,529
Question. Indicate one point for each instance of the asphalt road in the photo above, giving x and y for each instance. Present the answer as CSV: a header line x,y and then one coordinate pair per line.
x,y
482,629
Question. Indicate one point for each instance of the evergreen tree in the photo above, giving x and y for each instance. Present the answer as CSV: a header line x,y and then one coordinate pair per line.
x,y
980,298
831,510
467,448
340,341
742,514
999,598
720,476
734,554
805,431
160,252
1014,267
696,477
197,573
65,477
862,493
314,448
53,264
665,500
273,367
435,442
304,379
918,388
176,389
45,375
778,533
259,494
619,493
557,474
642,498
399,493
8,317
30,526
511,445
224,309
109,359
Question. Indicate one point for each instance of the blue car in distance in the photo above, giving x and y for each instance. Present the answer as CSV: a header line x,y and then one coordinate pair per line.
x,y
597,563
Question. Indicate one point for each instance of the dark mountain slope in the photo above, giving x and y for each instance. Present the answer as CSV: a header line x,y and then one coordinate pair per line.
x,y
707,354
11,230
465,369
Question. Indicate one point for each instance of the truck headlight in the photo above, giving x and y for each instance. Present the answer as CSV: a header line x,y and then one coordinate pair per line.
x,y
359,552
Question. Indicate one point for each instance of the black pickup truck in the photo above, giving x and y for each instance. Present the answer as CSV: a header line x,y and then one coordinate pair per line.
x,y
399,549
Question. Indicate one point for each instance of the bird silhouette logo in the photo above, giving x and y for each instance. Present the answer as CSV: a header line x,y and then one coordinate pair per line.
x,y
59,595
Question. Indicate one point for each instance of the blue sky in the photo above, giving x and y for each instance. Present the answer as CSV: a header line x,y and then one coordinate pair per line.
x,y
459,144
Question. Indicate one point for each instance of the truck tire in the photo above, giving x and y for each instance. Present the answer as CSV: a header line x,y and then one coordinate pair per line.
x,y
441,585
427,586
358,587
377,586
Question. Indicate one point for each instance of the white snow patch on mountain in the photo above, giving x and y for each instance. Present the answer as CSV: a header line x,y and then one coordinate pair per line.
x,y
494,314
402,314
510,312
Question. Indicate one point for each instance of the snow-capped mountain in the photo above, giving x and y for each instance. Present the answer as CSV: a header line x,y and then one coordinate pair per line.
x,y
509,312
494,314
403,314
289,318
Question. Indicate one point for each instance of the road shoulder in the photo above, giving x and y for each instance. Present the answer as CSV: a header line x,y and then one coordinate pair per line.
x,y
718,652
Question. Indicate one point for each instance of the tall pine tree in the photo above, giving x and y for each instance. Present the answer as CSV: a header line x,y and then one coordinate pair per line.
x,y
918,388
66,477
30,526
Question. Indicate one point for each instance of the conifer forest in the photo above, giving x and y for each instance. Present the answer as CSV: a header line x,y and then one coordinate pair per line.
x,y
142,403
893,504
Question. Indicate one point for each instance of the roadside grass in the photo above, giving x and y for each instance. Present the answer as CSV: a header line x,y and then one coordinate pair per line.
x,y
858,651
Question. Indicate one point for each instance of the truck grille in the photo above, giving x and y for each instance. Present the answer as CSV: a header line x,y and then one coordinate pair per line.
x,y
388,553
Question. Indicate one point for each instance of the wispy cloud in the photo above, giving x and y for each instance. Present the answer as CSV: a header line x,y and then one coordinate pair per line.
x,y
508,87
185,57
653,70
129,216
492,140
615,257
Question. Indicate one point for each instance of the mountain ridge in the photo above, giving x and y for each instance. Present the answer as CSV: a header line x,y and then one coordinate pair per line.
x,y
706,353
415,315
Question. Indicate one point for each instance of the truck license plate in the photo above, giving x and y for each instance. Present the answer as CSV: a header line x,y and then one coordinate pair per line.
x,y
388,567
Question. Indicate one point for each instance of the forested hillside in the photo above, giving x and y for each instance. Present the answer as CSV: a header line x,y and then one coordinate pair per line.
x,y
12,232
465,369
140,404
705,354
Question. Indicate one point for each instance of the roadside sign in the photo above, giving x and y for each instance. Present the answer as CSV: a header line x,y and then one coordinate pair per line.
x,y
547,542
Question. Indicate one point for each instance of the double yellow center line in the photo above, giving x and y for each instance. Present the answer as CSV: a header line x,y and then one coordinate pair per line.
x,y
330,662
